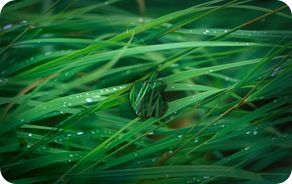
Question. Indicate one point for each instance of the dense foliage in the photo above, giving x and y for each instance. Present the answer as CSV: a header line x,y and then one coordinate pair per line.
x,y
67,68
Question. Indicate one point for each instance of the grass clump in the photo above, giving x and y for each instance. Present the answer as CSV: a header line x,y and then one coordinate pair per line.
x,y
67,68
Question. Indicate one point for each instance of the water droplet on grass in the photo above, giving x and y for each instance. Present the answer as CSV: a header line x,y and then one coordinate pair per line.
x,y
80,133
3,81
8,26
88,100
275,100
150,133
246,148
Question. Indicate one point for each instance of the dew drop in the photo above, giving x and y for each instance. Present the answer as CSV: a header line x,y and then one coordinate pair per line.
x,y
8,26
275,100
88,100
2,81
29,134
80,133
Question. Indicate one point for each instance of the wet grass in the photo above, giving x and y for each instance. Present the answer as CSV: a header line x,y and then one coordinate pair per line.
x,y
67,69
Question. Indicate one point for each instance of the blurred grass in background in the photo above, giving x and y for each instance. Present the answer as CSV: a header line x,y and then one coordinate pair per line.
x,y
67,68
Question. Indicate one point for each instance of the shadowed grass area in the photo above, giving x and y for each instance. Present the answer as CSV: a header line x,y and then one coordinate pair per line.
x,y
68,67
